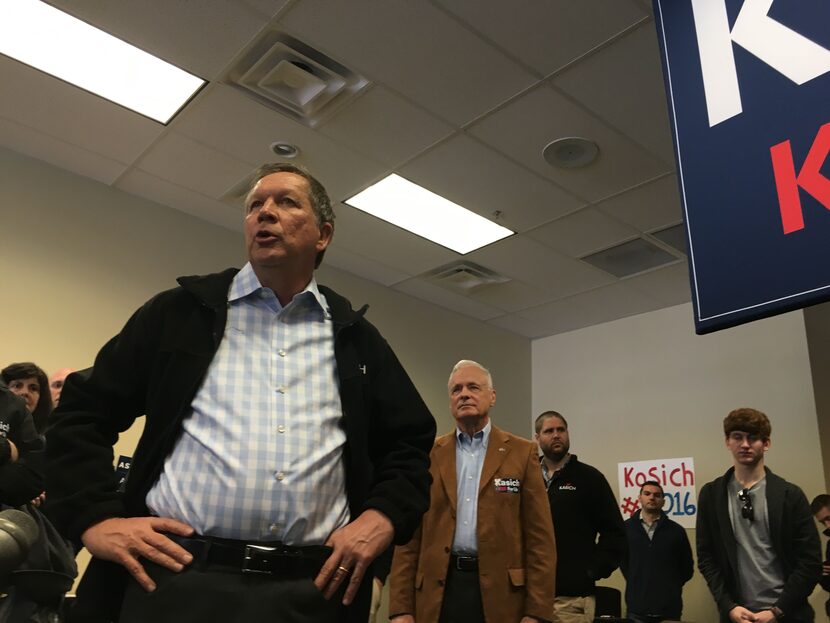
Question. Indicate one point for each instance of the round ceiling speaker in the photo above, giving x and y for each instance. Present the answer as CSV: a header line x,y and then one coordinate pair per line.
x,y
571,152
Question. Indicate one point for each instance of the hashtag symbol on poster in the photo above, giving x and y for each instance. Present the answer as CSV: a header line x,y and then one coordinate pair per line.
x,y
629,506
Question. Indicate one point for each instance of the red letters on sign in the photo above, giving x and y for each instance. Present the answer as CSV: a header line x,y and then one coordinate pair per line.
x,y
679,477
809,178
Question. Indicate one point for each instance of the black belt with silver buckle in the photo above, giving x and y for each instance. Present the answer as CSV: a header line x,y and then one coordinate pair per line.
x,y
265,558
464,563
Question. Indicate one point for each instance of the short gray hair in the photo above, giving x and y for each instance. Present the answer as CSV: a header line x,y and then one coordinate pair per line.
x,y
465,363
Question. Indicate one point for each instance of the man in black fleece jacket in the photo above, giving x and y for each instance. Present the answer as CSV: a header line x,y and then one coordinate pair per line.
x,y
583,508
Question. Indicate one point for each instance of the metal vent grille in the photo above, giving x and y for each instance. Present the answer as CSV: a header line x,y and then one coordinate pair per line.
x,y
630,258
674,236
464,276
289,76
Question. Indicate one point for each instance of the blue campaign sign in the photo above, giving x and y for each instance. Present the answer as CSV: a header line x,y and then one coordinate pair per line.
x,y
748,83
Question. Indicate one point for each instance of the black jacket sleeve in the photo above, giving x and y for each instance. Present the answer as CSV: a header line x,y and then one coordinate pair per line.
x,y
18,425
825,579
96,405
400,434
804,552
685,562
19,484
708,560
612,545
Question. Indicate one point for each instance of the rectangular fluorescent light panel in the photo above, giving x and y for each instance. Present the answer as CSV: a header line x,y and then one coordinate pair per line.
x,y
54,42
422,212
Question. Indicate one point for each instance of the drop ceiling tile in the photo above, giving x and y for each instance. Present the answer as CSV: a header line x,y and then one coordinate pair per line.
x,y
623,84
533,263
653,205
375,239
511,296
524,127
475,176
199,37
415,49
254,127
185,162
268,8
583,232
522,326
385,127
597,306
437,295
647,5
670,285
161,191
72,115
570,28
635,256
340,257
27,141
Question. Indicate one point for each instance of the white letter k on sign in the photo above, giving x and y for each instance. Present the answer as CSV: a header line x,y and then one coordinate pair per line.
x,y
783,49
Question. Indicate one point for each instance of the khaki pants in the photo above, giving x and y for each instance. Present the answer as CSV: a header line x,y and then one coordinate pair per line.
x,y
574,609
377,589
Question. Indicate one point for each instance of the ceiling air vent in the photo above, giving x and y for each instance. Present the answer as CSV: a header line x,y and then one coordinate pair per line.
x,y
294,78
630,258
674,236
464,276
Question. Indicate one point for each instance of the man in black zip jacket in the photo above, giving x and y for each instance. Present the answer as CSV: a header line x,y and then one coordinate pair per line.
x,y
590,539
757,545
659,560
284,446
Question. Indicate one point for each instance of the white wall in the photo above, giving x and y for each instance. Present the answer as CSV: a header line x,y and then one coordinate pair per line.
x,y
647,387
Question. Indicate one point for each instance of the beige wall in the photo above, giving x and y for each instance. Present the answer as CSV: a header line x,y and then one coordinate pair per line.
x,y
647,387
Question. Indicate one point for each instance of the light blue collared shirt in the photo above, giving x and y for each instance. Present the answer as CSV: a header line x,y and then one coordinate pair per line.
x,y
469,459
261,455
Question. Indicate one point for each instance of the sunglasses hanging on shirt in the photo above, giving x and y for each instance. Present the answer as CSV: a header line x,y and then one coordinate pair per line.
x,y
747,512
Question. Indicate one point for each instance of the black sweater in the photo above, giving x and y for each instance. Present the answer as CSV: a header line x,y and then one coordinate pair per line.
x,y
656,569
583,506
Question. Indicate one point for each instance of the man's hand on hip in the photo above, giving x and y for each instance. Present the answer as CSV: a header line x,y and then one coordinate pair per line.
x,y
355,546
125,540
403,618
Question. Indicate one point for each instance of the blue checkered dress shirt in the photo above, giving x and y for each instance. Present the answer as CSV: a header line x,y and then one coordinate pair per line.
x,y
261,454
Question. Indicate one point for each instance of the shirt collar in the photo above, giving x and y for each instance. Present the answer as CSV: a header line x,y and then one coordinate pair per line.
x,y
483,435
246,284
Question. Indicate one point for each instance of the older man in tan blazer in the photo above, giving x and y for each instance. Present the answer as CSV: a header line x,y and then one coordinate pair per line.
x,y
485,550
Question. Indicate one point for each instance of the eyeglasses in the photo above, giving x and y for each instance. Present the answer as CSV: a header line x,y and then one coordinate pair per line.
x,y
747,512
